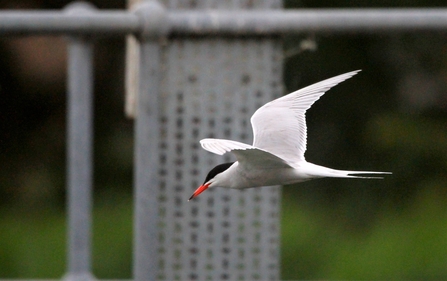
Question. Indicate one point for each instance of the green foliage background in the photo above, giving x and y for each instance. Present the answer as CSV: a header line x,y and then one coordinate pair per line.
x,y
390,117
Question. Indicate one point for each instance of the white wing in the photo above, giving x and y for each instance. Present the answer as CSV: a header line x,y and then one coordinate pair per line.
x,y
220,147
245,154
279,126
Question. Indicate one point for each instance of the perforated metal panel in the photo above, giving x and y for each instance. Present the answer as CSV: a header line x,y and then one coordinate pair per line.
x,y
210,88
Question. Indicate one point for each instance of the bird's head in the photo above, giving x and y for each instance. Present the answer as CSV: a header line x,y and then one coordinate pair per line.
x,y
212,179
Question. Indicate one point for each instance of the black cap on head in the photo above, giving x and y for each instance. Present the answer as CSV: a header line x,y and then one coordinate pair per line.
x,y
217,170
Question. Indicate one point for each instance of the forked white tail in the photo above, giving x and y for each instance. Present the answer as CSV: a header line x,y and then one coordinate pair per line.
x,y
320,171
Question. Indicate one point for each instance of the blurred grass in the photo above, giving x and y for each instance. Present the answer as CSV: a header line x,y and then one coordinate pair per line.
x,y
33,245
398,245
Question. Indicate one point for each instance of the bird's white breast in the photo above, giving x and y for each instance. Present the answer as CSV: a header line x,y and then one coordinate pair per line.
x,y
241,176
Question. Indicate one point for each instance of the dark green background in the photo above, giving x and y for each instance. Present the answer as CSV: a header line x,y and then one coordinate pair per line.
x,y
390,117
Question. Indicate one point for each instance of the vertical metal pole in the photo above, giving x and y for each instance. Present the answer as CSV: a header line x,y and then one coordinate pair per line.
x,y
79,154
146,161
147,136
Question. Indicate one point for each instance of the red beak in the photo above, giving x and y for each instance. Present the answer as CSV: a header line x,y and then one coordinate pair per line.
x,y
199,190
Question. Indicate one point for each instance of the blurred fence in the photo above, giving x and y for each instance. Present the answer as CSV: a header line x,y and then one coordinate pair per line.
x,y
201,72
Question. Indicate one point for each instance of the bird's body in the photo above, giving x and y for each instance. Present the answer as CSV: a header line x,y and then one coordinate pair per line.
x,y
240,176
277,154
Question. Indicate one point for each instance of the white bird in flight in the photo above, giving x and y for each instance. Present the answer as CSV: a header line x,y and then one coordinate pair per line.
x,y
277,154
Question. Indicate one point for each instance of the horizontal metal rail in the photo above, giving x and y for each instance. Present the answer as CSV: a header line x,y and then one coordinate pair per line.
x,y
294,21
45,22
209,22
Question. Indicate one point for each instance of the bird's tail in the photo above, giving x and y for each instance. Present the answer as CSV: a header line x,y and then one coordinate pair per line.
x,y
359,174
320,171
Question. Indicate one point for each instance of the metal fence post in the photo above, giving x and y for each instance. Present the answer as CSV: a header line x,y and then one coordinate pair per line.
x,y
79,152
146,132
147,135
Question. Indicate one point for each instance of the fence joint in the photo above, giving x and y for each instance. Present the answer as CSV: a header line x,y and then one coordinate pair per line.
x,y
153,20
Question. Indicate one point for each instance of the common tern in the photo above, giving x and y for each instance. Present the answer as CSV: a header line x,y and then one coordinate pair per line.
x,y
277,154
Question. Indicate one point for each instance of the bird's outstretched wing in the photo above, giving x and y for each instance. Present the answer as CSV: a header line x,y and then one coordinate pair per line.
x,y
279,126
245,154
219,146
